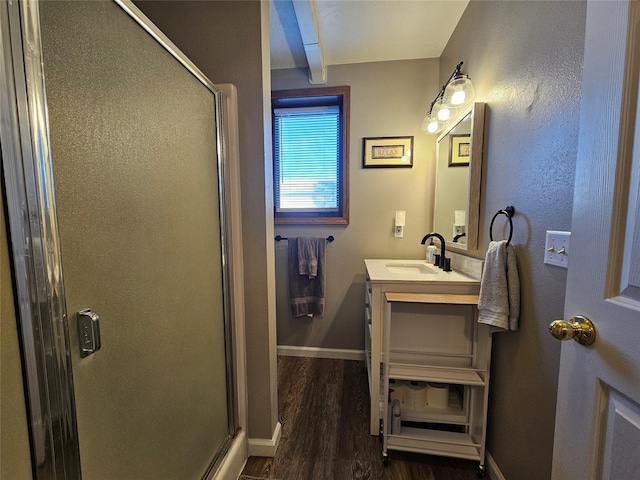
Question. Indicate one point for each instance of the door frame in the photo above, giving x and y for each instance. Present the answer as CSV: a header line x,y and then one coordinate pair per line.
x,y
36,258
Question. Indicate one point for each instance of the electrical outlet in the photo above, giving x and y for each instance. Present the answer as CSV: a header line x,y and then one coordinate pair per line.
x,y
557,248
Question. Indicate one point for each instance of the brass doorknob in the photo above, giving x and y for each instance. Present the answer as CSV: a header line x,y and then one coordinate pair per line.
x,y
579,328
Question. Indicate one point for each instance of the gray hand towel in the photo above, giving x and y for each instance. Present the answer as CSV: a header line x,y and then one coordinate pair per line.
x,y
306,292
309,251
499,302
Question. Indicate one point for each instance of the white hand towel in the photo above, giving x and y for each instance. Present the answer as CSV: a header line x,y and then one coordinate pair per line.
x,y
499,302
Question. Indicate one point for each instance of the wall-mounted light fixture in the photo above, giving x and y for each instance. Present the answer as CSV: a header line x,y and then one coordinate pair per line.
x,y
456,93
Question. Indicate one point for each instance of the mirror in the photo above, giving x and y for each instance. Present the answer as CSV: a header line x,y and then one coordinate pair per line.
x,y
458,173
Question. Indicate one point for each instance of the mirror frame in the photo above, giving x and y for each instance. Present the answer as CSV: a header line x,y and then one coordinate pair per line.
x,y
477,111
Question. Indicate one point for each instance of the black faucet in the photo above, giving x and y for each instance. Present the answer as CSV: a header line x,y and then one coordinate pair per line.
x,y
455,239
444,262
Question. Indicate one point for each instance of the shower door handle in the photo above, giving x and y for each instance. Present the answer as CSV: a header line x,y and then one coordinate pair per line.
x,y
88,332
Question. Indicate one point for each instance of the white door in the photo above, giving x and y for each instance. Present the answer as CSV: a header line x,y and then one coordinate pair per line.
x,y
597,432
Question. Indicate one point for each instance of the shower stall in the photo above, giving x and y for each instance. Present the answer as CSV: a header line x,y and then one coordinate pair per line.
x,y
120,191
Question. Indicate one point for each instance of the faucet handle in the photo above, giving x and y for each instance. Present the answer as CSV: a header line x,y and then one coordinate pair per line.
x,y
436,261
447,265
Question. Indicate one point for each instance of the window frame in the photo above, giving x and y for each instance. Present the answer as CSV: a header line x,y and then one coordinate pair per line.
x,y
310,97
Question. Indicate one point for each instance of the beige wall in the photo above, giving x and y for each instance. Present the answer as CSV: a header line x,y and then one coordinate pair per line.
x,y
225,40
525,60
387,99
15,459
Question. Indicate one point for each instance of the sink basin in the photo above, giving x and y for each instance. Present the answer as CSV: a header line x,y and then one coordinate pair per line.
x,y
416,272
410,269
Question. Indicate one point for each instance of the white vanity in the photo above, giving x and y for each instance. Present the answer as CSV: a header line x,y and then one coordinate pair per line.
x,y
421,327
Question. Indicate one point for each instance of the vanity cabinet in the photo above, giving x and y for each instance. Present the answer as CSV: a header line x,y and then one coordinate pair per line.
x,y
426,331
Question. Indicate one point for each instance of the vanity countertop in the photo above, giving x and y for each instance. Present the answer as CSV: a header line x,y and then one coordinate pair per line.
x,y
407,271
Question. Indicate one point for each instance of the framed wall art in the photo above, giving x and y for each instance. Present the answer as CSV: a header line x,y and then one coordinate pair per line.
x,y
387,152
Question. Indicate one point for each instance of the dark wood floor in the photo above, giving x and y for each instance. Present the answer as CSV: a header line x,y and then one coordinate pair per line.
x,y
324,411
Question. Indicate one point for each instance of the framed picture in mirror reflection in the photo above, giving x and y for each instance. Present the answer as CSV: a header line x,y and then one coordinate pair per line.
x,y
459,150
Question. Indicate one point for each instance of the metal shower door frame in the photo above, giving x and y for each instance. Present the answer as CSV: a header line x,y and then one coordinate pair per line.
x,y
35,250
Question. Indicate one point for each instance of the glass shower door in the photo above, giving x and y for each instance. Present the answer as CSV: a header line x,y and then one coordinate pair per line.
x,y
135,164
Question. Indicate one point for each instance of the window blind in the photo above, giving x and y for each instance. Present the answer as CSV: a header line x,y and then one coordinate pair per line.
x,y
307,159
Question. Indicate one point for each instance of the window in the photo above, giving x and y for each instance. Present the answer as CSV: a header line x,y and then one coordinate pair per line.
x,y
310,155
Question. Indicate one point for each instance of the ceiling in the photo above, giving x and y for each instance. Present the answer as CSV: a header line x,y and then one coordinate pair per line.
x,y
357,31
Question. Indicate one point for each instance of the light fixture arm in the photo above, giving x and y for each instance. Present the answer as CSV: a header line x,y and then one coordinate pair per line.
x,y
456,73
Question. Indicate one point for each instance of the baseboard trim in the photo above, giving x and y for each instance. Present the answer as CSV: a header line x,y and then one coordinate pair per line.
x,y
260,447
492,469
317,352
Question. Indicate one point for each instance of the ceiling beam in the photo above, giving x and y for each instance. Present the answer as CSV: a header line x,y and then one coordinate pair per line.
x,y
308,25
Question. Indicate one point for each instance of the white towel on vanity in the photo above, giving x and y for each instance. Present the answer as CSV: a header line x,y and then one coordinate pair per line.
x,y
499,302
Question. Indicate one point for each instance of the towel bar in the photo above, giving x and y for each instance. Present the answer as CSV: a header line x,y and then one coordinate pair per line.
x,y
329,238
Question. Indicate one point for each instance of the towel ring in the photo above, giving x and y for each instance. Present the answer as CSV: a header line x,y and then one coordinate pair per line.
x,y
509,211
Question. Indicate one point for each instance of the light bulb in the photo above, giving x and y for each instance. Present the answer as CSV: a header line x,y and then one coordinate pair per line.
x,y
431,125
444,114
458,98
441,111
459,91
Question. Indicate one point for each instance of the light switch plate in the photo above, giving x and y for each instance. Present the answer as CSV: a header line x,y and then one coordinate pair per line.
x,y
557,248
